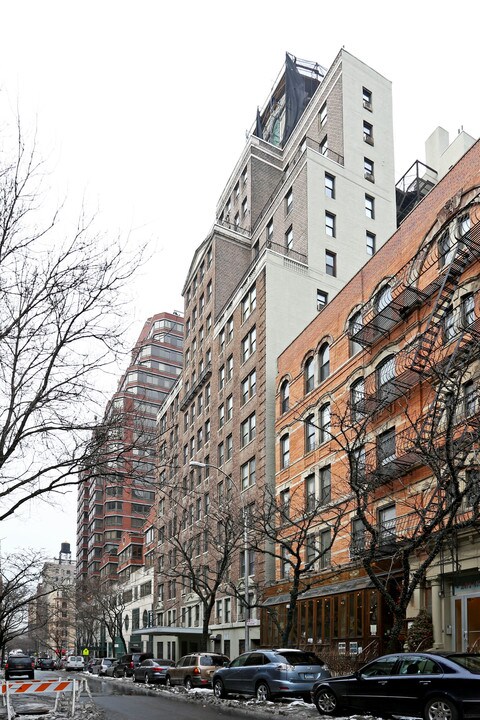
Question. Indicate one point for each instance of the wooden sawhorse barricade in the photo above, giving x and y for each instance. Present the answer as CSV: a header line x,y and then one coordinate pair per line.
x,y
11,688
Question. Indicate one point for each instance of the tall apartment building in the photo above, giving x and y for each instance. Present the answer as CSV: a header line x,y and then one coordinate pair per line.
x,y
118,503
53,618
377,427
310,200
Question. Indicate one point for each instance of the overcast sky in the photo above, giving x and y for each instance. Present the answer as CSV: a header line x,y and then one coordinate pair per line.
x,y
142,108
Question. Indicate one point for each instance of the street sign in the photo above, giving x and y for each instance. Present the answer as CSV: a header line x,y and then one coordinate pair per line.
x,y
85,651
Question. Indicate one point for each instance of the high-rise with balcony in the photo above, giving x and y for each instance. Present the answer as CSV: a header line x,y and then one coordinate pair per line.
x,y
111,504
308,203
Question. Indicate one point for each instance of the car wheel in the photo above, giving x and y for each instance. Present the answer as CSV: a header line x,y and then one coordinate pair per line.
x,y
263,692
440,708
326,702
168,682
219,689
188,683
147,679
134,678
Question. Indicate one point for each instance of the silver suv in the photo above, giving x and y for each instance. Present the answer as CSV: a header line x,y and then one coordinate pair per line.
x,y
270,673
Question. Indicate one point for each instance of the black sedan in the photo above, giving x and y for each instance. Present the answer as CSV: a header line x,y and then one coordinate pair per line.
x,y
46,664
152,671
433,686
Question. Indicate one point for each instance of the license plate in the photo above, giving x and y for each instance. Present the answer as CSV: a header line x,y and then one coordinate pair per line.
x,y
309,676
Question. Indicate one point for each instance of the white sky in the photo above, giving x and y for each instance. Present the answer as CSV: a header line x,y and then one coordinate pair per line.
x,y
142,108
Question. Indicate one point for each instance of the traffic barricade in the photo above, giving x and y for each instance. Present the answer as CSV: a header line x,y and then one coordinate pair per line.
x,y
15,688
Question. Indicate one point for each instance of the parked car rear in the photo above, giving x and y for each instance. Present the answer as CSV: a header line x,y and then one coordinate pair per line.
x,y
195,670
46,664
270,673
152,671
101,665
18,665
74,662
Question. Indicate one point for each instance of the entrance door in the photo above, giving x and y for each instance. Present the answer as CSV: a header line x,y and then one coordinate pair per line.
x,y
467,624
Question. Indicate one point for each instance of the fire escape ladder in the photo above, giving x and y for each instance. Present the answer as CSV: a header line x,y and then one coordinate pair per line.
x,y
444,296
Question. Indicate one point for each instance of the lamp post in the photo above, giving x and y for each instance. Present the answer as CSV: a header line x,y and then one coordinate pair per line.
x,y
196,464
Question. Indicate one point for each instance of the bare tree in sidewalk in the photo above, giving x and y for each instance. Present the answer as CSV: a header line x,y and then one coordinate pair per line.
x,y
298,528
100,604
62,299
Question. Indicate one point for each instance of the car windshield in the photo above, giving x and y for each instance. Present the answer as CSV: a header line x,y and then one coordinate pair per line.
x,y
213,659
300,658
106,662
469,662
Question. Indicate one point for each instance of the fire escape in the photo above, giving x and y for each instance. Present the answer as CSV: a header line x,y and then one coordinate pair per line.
x,y
445,341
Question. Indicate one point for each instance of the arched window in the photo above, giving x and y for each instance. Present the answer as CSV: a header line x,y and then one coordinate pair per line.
x,y
284,396
383,298
309,375
385,375
284,451
324,422
324,362
310,433
354,325
357,398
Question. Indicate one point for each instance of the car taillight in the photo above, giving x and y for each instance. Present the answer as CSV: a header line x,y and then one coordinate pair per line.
x,y
131,666
196,671
6,666
286,667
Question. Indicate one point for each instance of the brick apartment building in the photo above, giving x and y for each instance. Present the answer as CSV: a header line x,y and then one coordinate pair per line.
x,y
377,430
309,201
118,505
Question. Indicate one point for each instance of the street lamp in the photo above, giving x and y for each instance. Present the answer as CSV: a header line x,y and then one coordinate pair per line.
x,y
196,464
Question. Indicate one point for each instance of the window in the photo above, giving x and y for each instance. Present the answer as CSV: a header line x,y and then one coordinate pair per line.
x,y
310,551
309,375
249,344
449,324
467,305
249,303
368,132
229,407
324,146
229,330
221,415
357,399
284,451
221,339
387,524
325,542
244,176
284,504
284,562
322,299
354,326
247,474
370,206
310,496
289,238
368,169
248,430
463,225
324,418
199,438
270,231
221,377
323,114
249,386
325,478
330,263
310,434
357,544
284,396
383,298
469,398
209,290
330,186
244,207
288,201
229,447
385,374
367,98
371,240
359,466
236,220
323,362
330,228
207,395
221,453
386,447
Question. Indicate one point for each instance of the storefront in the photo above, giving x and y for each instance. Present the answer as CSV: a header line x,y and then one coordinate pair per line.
x,y
466,613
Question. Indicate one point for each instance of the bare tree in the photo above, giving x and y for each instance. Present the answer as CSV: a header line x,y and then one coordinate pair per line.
x,y
286,526
101,604
62,293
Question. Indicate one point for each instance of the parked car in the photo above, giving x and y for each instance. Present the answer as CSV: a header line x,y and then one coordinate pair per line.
x,y
110,671
46,664
195,670
270,673
74,662
127,663
18,665
100,666
153,670
435,686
